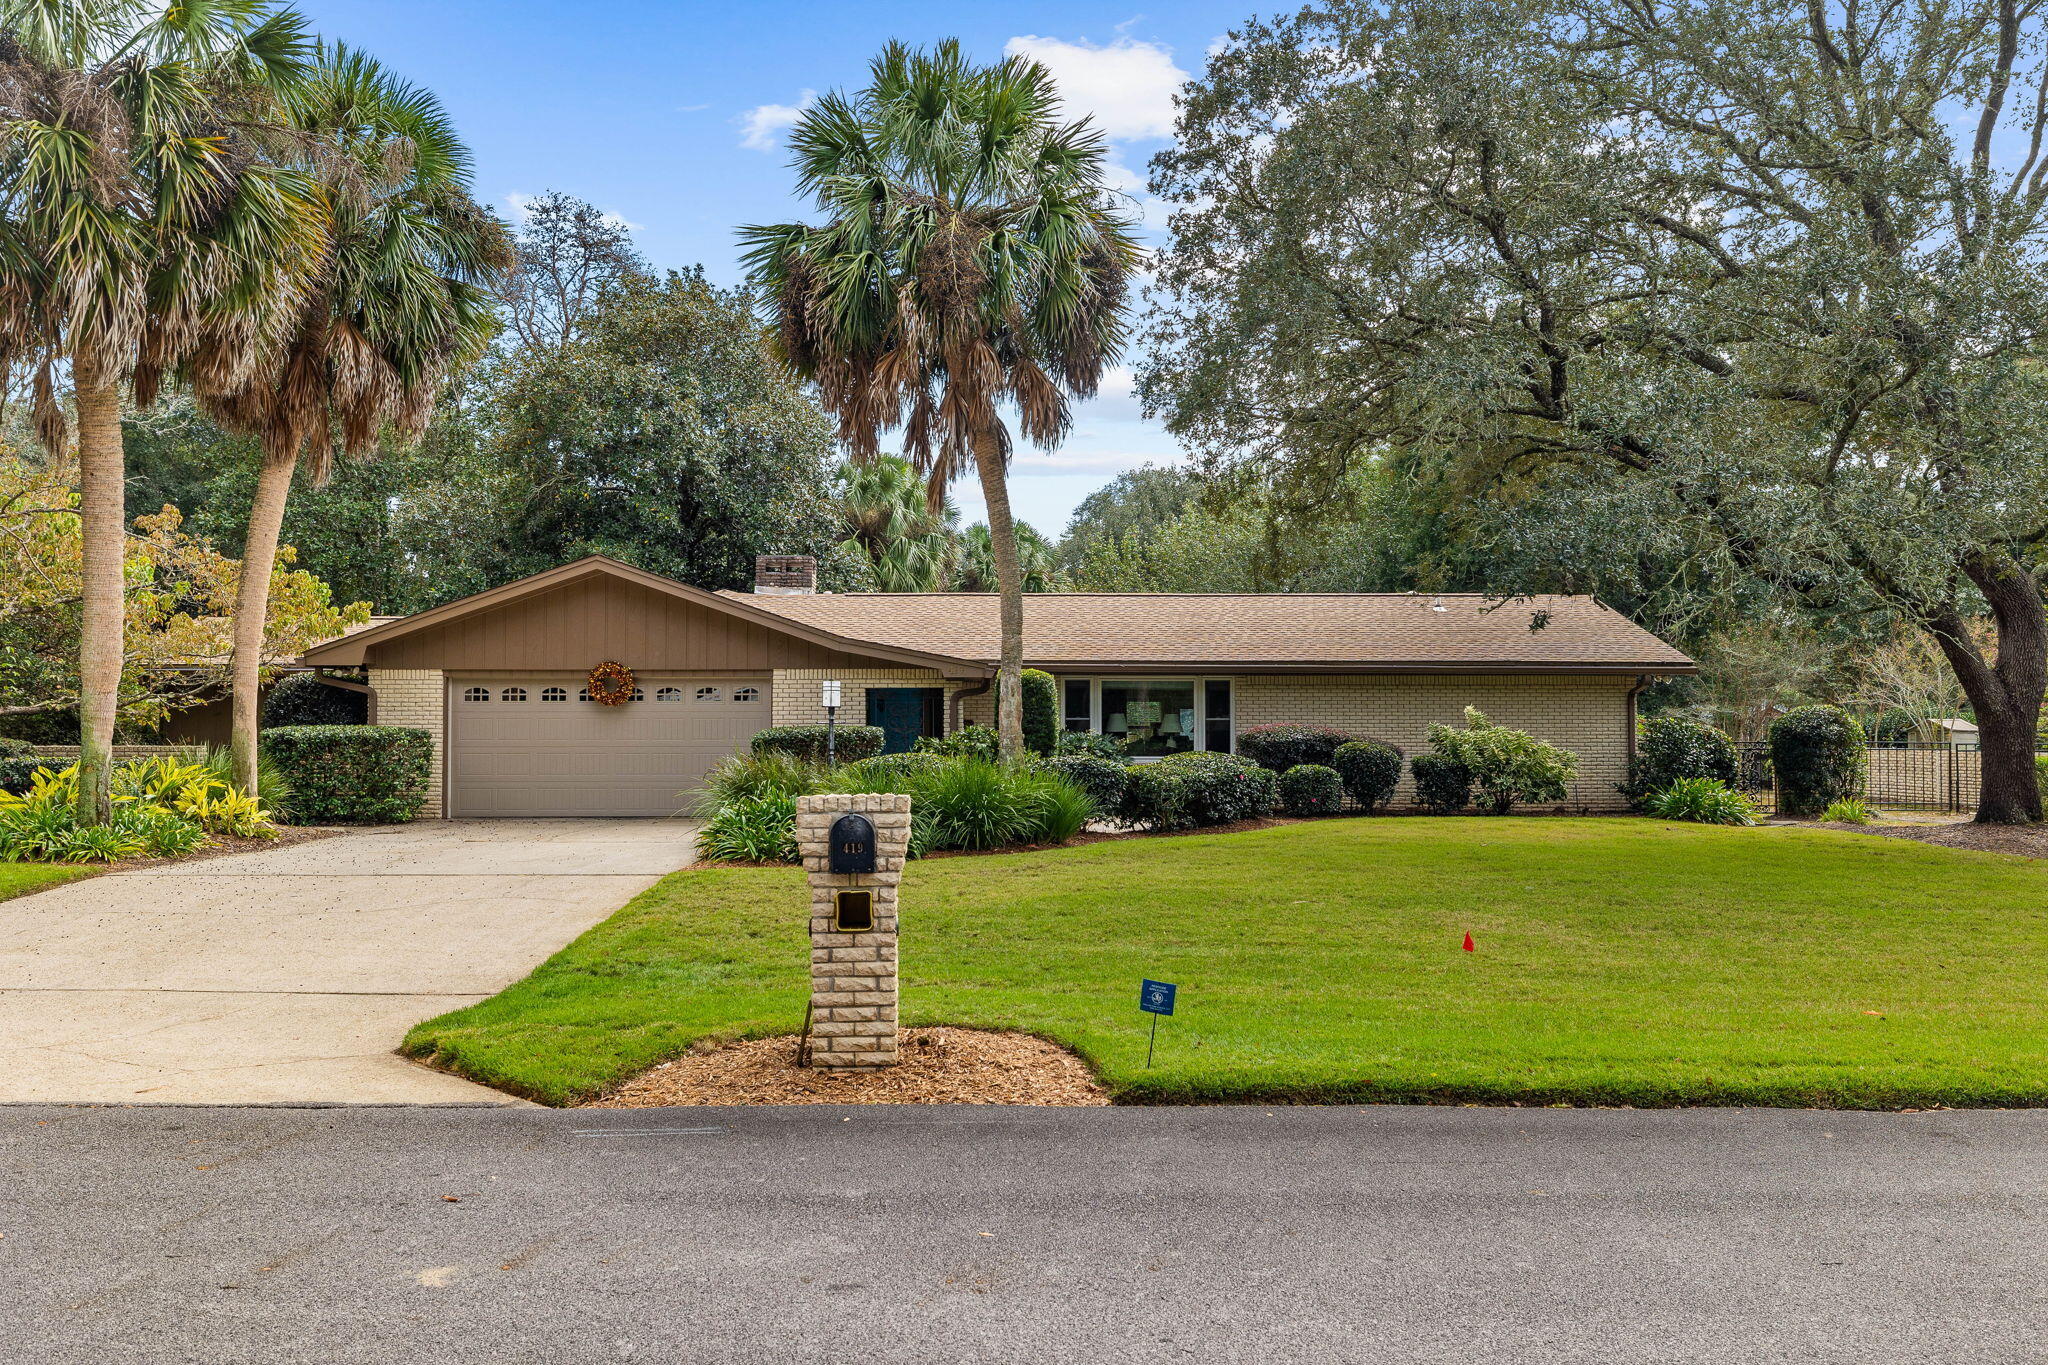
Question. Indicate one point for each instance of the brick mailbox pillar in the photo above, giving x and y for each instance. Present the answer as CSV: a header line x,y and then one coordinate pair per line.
x,y
853,848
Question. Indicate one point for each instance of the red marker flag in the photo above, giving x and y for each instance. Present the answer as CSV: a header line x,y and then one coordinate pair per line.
x,y
1468,943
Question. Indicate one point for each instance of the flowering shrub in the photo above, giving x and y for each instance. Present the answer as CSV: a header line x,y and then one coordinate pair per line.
x,y
1311,789
1284,746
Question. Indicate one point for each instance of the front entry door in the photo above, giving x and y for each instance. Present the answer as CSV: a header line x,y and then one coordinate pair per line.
x,y
905,713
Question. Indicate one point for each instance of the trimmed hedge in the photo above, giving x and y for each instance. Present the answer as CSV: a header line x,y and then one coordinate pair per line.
x,y
1370,770
1283,746
1102,780
850,743
1818,755
1222,789
1442,784
16,748
1155,797
1041,711
1670,749
302,699
1311,789
352,774
17,775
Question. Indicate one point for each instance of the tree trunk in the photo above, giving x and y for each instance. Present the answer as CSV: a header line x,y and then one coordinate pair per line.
x,y
1002,540
252,610
103,531
2006,695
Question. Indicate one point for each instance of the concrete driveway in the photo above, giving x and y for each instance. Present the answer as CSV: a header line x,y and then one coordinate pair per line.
x,y
289,974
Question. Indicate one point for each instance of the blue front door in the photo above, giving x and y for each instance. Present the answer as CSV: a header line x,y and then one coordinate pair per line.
x,y
904,713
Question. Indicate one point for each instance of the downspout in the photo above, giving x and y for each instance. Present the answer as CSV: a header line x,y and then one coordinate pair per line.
x,y
958,703
1642,681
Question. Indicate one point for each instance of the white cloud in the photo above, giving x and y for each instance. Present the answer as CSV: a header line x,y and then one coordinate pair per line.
x,y
518,202
761,127
1128,85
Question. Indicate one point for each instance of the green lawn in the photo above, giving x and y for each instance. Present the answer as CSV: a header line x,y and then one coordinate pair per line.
x,y
18,879
1619,962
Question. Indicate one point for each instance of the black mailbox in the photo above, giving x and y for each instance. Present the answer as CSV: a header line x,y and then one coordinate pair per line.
x,y
853,844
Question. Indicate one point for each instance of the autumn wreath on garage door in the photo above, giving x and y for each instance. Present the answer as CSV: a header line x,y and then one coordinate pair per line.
x,y
611,684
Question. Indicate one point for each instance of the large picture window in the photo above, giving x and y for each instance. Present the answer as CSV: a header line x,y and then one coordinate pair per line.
x,y
1153,718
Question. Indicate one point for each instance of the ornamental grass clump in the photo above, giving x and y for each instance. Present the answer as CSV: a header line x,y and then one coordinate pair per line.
x,y
1702,801
751,829
1310,789
1846,812
1508,767
1818,754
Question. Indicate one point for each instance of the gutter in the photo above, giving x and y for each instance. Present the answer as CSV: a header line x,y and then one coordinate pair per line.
x,y
958,702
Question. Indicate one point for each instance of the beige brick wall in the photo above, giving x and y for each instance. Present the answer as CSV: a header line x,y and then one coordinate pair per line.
x,y
794,700
1588,715
416,697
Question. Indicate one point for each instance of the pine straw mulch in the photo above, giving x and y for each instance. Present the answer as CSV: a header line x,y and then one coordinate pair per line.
x,y
938,1066
2027,841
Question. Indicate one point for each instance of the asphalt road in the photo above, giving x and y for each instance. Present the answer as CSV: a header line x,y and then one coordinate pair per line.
x,y
992,1235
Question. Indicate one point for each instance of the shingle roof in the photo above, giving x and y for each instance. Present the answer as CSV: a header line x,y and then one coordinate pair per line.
x,y
1350,632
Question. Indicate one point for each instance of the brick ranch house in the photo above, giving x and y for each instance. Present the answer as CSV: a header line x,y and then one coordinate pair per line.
x,y
497,678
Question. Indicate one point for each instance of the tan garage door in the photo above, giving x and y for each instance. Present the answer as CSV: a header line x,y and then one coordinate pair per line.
x,y
537,745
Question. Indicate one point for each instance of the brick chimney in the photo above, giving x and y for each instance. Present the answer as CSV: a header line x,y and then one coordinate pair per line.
x,y
784,575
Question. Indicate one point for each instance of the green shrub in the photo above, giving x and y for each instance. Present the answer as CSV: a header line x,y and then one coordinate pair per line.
x,y
1311,789
1283,746
1088,742
887,769
352,774
1221,789
1370,770
1041,711
1847,812
162,808
750,776
1155,797
16,748
1441,784
1818,755
302,699
850,743
1509,767
1102,780
1703,801
2041,775
17,775
1671,747
969,741
751,829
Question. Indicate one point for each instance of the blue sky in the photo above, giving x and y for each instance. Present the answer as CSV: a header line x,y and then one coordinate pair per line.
x,y
667,115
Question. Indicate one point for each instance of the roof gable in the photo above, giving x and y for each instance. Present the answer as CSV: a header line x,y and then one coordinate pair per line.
x,y
597,608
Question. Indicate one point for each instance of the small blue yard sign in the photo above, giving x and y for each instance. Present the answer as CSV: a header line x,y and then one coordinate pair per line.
x,y
1155,998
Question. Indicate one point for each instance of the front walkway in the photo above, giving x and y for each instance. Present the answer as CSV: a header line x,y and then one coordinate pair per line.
x,y
290,974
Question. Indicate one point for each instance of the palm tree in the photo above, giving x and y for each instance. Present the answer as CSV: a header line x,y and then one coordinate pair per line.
x,y
402,293
912,547
970,256
141,226
1038,562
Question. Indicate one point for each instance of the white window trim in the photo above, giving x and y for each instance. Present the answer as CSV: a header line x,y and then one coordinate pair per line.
x,y
1201,682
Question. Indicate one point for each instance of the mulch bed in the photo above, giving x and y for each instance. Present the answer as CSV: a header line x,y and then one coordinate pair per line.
x,y
939,1066
2027,841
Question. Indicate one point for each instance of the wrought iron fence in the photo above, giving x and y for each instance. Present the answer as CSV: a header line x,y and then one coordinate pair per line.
x,y
1934,777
